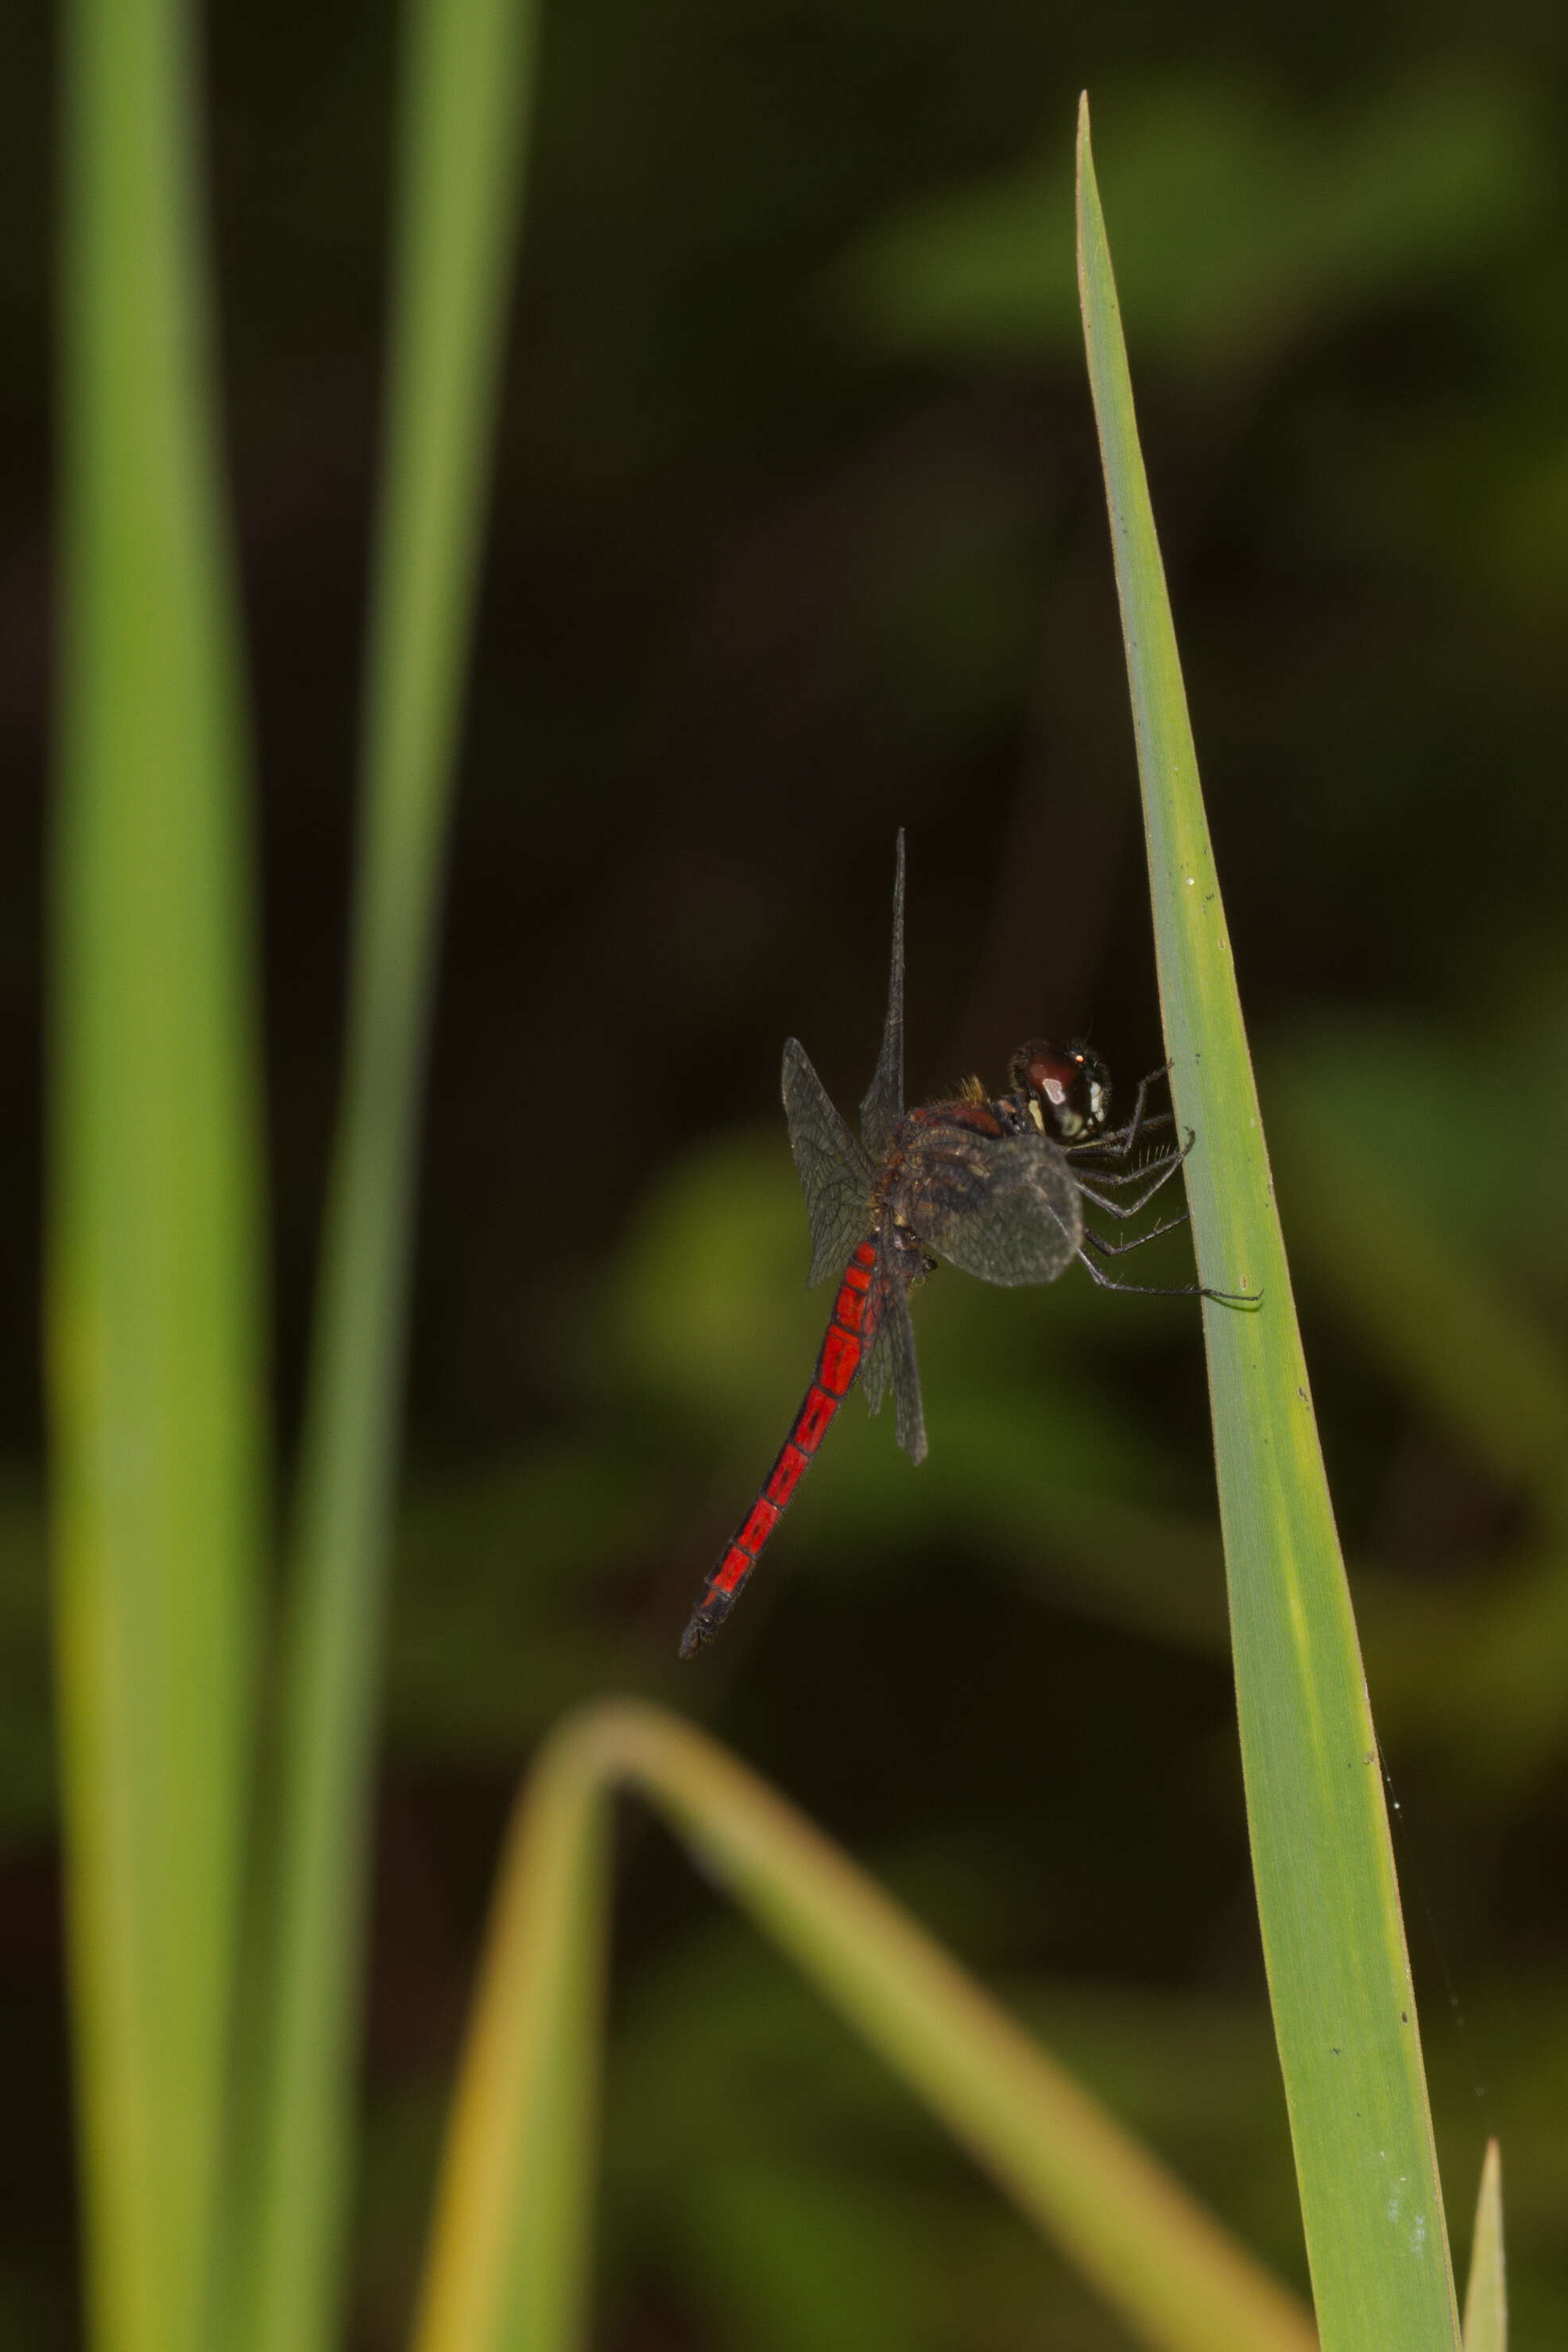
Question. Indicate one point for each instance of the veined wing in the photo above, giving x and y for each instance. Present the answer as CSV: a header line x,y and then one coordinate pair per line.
x,y
835,1174
883,1104
891,1357
1008,1209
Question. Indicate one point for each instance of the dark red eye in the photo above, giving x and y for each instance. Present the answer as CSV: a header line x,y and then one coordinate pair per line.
x,y
1052,1073
1068,1084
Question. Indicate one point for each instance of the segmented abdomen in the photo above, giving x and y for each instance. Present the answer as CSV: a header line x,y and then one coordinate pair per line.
x,y
838,1366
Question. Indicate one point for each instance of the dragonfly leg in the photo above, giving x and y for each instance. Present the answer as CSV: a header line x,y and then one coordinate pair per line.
x,y
1102,1248
1120,1177
1173,1160
1163,1290
1122,1140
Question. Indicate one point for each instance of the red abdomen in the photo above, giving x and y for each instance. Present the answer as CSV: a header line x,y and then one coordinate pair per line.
x,y
838,1366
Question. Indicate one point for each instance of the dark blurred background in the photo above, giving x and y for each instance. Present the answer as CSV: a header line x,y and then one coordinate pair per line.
x,y
798,536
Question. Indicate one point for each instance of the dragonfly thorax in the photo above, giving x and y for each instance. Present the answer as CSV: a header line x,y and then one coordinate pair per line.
x,y
1066,1088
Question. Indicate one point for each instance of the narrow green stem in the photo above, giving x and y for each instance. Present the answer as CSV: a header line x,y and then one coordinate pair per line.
x,y
467,76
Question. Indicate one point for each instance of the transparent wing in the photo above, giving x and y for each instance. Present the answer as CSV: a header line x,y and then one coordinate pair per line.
x,y
835,1174
1008,1209
890,1357
883,1104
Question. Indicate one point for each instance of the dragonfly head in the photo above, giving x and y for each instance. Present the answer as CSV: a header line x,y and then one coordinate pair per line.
x,y
1068,1088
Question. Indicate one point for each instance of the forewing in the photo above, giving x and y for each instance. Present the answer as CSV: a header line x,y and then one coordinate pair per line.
x,y
835,1174
883,1104
1017,1219
890,1357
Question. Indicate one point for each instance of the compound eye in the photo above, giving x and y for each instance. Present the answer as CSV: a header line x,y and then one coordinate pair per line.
x,y
1056,1081
1051,1076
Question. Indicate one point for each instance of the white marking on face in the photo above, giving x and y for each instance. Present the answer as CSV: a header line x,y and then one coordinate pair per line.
x,y
1096,1101
1036,1113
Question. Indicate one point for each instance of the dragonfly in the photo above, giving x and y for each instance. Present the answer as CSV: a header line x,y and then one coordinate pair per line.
x,y
996,1186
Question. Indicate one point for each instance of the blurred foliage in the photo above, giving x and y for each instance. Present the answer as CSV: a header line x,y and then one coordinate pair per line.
x,y
798,535
1284,228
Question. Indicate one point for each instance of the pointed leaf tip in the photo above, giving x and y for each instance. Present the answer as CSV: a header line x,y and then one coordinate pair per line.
x,y
1486,2298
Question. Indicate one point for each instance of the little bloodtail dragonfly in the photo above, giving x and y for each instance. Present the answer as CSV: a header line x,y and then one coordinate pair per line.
x,y
995,1187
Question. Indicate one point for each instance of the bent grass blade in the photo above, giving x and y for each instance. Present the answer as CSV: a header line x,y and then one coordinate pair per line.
x,y
508,2254
1333,1938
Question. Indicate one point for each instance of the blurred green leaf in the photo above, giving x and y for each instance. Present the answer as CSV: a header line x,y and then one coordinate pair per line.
x,y
467,72
484,1657
706,1309
1405,1101
799,2261
724,2058
1395,1206
1423,1299
1243,225
156,1339
719,2051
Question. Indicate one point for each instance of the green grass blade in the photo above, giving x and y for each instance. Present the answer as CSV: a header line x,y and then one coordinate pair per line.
x,y
1486,2296
509,2250
155,1334
1333,1938
467,74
